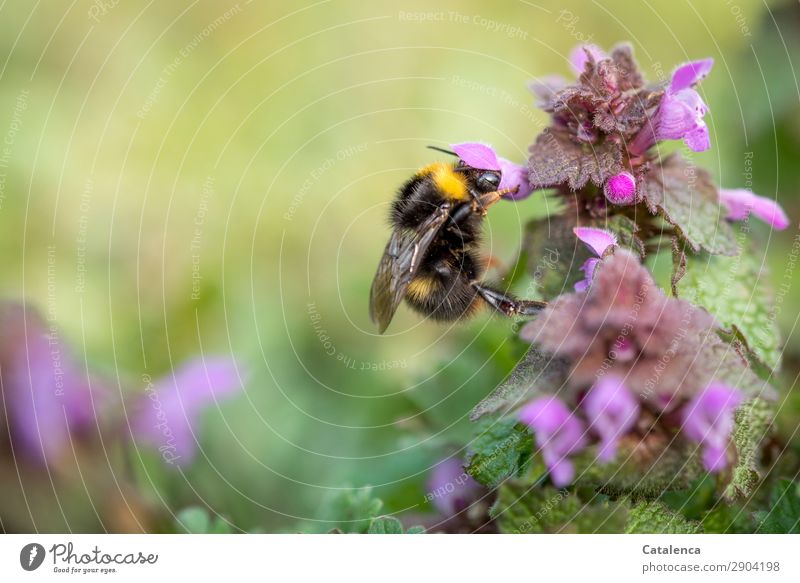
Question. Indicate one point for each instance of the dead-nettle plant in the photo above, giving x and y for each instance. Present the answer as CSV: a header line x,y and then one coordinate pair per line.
x,y
631,387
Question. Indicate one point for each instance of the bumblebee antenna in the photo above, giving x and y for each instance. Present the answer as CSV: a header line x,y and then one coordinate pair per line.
x,y
438,149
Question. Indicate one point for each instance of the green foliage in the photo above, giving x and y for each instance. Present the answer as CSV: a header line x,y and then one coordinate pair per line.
x,y
535,374
737,291
352,511
784,513
524,506
753,420
501,449
197,520
687,199
656,518
390,525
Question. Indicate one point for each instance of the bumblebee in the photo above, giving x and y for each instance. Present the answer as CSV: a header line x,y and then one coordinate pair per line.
x,y
432,258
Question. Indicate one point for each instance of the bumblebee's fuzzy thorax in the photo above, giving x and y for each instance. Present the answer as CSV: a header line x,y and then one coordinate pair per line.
x,y
450,183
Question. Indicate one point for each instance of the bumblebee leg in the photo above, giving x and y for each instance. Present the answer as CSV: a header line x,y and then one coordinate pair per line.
x,y
507,304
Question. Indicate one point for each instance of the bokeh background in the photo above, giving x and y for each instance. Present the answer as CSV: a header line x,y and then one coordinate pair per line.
x,y
181,179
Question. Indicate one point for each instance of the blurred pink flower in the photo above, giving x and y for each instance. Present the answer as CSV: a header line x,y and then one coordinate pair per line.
x,y
612,411
621,189
450,488
740,203
708,420
559,434
167,416
48,397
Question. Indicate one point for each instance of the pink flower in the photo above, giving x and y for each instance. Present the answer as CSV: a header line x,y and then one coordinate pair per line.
x,y
741,202
680,113
48,397
559,434
581,54
450,488
708,420
514,176
612,411
483,157
621,189
598,241
477,155
168,414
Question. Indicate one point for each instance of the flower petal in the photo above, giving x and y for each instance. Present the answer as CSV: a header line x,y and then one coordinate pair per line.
x,y
168,414
514,175
598,240
621,188
450,488
612,410
477,155
580,55
690,74
741,202
708,420
47,395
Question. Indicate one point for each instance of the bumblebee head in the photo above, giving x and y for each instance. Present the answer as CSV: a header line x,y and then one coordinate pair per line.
x,y
482,180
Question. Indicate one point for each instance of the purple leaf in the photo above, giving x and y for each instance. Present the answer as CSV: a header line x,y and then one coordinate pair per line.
x,y
580,55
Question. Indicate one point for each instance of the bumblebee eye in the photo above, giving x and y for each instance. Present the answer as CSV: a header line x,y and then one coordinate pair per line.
x,y
488,181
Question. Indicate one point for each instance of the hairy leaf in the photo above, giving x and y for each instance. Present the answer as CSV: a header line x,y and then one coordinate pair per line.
x,y
556,160
536,374
737,292
385,525
688,199
784,515
500,450
525,507
753,420
657,518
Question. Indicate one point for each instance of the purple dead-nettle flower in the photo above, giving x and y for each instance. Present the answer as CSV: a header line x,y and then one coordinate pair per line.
x,y
514,176
48,398
680,113
740,203
167,416
582,54
623,324
483,157
477,155
450,488
559,434
621,189
708,420
612,410
599,241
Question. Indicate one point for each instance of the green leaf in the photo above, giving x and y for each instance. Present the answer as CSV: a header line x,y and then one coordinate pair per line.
x,y
554,254
737,292
657,518
415,530
196,520
385,525
524,507
536,374
753,420
784,515
685,196
352,510
500,450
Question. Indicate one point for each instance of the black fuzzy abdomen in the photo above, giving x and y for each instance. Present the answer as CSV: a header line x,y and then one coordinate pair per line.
x,y
442,289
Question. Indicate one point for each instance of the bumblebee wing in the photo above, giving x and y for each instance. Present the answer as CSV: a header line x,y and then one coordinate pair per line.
x,y
399,264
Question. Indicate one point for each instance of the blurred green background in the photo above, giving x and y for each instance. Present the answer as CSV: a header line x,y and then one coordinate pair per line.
x,y
213,177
